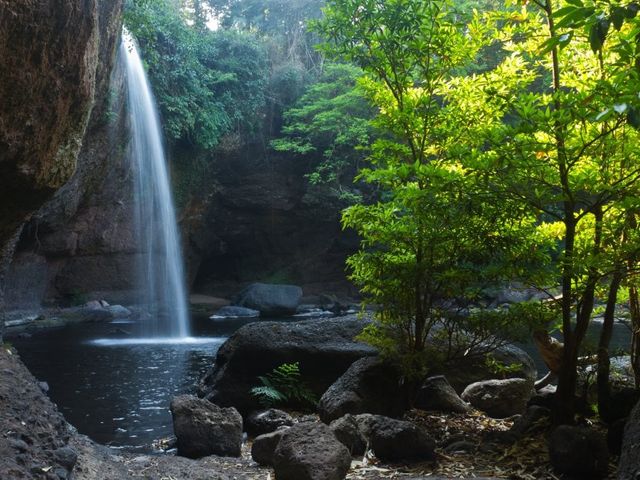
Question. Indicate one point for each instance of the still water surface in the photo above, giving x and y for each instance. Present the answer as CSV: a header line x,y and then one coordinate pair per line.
x,y
114,388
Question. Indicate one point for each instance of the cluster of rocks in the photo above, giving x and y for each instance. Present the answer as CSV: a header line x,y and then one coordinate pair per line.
x,y
362,399
93,311
271,300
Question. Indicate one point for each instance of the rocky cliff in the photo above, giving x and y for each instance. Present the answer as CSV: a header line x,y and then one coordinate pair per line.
x,y
258,221
55,62
263,222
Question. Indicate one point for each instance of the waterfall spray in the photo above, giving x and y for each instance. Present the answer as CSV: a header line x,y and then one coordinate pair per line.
x,y
161,273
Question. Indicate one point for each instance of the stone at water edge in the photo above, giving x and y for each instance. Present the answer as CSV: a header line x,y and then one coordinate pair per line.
x,y
499,398
324,348
310,451
266,421
271,300
203,429
437,394
579,452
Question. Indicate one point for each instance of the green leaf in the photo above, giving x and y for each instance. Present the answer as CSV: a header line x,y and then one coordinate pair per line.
x,y
598,34
617,17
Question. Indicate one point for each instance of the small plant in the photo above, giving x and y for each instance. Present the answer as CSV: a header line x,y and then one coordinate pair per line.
x,y
284,386
500,368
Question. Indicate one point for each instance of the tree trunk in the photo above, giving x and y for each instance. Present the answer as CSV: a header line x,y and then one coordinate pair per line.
x,y
604,391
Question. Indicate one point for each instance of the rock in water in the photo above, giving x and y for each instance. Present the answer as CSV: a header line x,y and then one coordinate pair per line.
x,y
579,452
437,394
368,386
499,398
203,428
324,349
270,300
310,451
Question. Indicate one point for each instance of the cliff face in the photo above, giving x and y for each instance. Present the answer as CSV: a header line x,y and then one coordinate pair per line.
x,y
259,221
55,61
263,222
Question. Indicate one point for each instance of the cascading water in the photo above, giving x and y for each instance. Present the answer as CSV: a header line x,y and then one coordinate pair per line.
x,y
161,271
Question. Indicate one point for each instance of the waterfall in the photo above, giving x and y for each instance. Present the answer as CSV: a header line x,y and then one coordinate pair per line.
x,y
161,273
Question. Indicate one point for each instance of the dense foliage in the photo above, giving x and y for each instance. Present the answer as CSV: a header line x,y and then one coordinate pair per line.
x,y
497,141
206,83
483,171
330,125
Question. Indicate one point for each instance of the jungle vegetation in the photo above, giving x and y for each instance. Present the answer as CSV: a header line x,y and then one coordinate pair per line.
x,y
497,141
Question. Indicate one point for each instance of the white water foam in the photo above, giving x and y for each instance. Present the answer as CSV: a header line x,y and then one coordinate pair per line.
x,y
161,273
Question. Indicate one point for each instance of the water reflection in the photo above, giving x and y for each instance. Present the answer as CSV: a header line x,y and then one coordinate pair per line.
x,y
114,389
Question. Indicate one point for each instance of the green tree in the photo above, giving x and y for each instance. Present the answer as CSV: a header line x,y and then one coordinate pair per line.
x,y
567,152
436,236
329,126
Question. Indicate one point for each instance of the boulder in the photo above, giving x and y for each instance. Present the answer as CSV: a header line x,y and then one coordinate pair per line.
x,y
461,372
266,421
231,311
310,451
629,465
368,386
203,428
578,452
499,398
264,447
271,300
324,348
436,393
396,440
348,432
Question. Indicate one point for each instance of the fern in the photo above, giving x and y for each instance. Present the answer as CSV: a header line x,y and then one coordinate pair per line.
x,y
284,386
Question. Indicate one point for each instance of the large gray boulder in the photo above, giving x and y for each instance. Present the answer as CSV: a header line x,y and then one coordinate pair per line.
x,y
310,451
271,300
368,386
324,348
203,428
499,398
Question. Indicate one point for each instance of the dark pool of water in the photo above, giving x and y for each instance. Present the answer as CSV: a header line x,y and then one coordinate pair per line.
x,y
117,392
